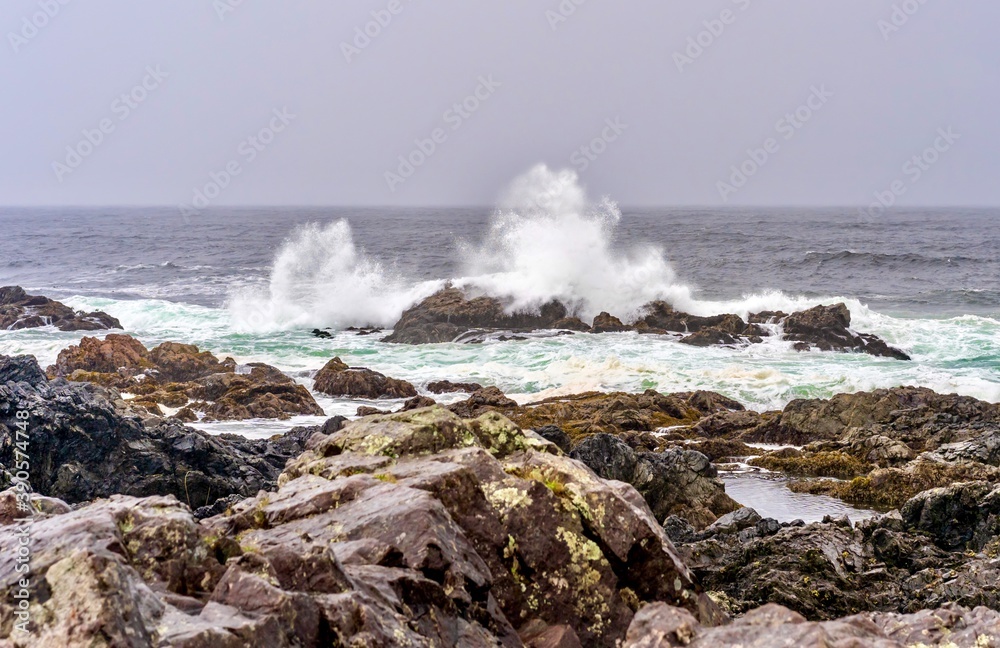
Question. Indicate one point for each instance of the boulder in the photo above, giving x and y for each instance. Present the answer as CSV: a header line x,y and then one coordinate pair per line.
x,y
607,323
450,313
337,379
828,328
673,482
180,376
555,434
19,310
960,516
93,446
560,545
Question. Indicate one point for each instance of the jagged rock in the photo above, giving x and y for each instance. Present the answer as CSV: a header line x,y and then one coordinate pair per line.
x,y
673,482
337,379
447,387
93,447
709,337
607,323
22,368
828,328
19,310
555,434
561,545
115,353
181,376
960,516
661,626
607,456
481,401
450,313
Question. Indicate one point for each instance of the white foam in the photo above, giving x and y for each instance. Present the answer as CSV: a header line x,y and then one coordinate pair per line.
x,y
321,278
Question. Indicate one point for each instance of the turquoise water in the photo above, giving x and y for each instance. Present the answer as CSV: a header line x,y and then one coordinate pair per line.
x,y
954,354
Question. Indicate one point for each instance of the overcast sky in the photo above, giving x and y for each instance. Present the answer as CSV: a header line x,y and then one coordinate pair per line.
x,y
882,88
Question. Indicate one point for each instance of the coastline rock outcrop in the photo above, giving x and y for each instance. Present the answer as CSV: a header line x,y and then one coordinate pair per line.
x,y
412,529
19,310
827,328
86,444
952,626
179,376
450,315
337,379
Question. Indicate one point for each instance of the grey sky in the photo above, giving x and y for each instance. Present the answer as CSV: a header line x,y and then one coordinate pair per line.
x,y
683,130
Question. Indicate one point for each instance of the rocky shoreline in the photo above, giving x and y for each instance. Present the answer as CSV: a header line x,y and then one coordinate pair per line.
x,y
592,519
453,315
596,519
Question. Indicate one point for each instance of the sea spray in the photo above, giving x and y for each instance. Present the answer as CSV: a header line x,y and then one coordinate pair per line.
x,y
547,241
320,278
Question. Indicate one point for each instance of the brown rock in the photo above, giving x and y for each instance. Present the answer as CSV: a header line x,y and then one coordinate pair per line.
x,y
337,379
447,387
450,313
19,310
607,323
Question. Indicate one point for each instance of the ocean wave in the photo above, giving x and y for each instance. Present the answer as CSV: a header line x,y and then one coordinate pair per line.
x,y
546,241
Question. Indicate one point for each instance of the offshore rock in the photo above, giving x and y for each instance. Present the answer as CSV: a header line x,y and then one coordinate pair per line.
x,y
19,310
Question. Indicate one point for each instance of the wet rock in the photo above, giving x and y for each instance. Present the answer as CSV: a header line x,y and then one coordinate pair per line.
x,y
595,412
571,324
450,313
673,482
324,335
19,310
812,464
365,410
891,487
337,379
607,323
957,517
555,434
709,337
828,328
94,447
21,369
484,400
448,387
180,376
